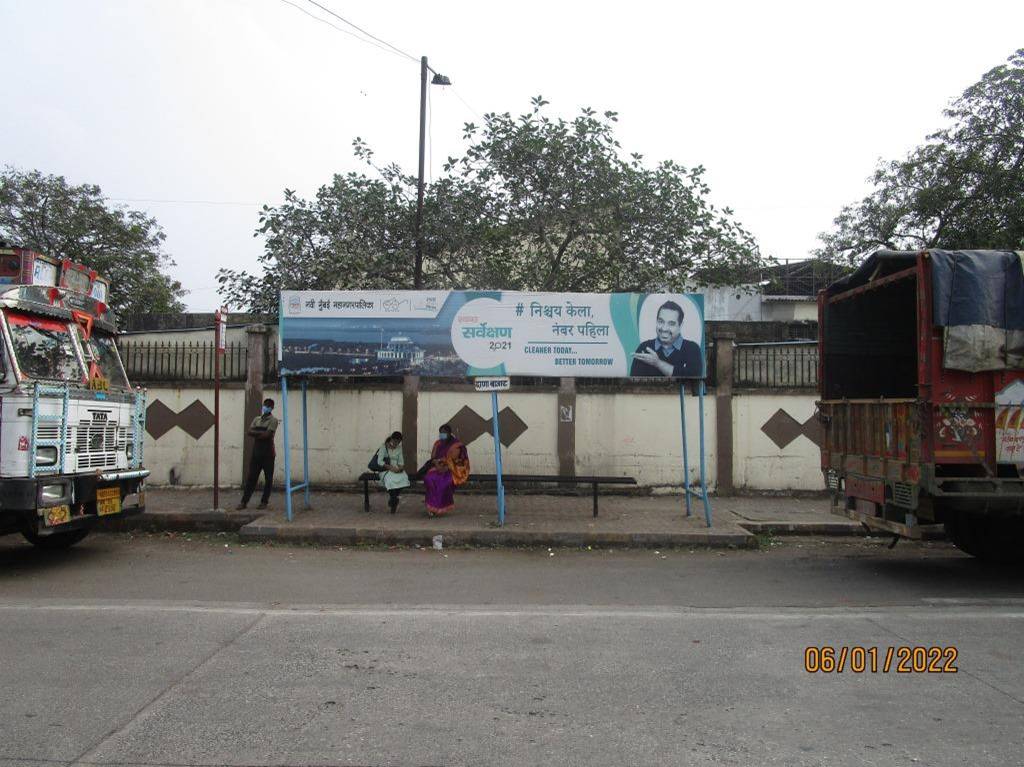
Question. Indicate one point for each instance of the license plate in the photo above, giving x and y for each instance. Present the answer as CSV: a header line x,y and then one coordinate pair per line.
x,y
108,500
58,515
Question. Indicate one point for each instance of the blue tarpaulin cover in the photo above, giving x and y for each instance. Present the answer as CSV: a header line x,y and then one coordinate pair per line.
x,y
978,287
977,297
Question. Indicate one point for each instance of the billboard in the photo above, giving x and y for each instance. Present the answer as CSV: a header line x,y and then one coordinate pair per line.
x,y
459,334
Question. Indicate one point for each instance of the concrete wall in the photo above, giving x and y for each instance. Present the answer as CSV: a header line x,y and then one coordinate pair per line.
x,y
627,433
796,310
192,458
236,335
638,435
761,462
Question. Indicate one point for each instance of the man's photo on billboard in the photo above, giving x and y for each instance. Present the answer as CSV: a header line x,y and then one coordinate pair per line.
x,y
670,354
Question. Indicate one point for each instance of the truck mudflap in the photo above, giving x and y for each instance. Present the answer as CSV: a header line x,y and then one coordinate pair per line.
x,y
873,516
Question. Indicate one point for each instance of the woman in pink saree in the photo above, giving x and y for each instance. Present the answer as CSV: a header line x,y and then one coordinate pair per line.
x,y
448,468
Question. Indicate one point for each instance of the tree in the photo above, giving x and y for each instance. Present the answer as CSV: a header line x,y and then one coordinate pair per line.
x,y
960,189
535,203
49,215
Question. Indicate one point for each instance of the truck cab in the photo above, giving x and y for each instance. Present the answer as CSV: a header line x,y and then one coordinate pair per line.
x,y
71,425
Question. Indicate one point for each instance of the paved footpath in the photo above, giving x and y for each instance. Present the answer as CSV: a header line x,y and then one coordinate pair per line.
x,y
531,520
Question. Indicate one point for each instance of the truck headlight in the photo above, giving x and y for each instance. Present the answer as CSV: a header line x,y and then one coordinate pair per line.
x,y
130,449
46,456
52,493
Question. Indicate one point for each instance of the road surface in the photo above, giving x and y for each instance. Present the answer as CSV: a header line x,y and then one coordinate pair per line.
x,y
196,650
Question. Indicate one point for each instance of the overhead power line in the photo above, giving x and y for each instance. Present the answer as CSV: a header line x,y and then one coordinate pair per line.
x,y
373,40
335,26
184,202
363,31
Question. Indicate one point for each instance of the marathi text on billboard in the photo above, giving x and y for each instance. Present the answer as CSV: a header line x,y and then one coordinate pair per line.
x,y
458,334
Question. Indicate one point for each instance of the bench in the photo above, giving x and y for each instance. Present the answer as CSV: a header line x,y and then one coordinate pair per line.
x,y
593,481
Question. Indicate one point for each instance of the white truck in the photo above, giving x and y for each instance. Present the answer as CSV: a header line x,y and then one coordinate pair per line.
x,y
71,425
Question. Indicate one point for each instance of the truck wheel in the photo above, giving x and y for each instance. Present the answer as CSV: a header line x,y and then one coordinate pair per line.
x,y
992,540
55,541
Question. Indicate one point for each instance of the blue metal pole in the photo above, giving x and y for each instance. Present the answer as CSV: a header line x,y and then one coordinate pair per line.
x,y
497,459
686,459
287,450
305,444
703,479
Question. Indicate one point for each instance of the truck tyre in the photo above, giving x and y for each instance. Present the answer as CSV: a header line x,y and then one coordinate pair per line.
x,y
990,539
55,541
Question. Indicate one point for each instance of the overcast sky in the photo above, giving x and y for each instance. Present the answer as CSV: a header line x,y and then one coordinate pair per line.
x,y
787,105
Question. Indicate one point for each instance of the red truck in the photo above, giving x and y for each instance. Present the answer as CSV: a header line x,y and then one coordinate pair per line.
x,y
921,377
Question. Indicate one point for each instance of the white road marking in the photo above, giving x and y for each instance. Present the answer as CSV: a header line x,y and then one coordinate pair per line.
x,y
955,610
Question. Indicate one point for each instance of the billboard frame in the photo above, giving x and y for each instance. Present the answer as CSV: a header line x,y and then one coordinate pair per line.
x,y
690,491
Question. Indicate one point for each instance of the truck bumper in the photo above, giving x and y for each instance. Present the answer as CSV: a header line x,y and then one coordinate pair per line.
x,y
58,503
874,516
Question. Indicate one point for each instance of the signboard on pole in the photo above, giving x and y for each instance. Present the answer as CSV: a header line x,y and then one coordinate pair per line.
x,y
221,317
458,334
493,383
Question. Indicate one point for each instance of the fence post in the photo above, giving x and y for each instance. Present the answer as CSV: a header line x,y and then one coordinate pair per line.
x,y
567,427
723,410
410,420
256,339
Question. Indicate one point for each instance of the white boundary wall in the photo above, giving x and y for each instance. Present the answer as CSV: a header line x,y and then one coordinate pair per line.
x,y
628,434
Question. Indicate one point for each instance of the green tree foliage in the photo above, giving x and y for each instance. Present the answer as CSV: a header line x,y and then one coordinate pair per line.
x,y
49,215
535,203
962,188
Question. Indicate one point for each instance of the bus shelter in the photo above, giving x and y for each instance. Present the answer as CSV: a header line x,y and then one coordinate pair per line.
x,y
489,336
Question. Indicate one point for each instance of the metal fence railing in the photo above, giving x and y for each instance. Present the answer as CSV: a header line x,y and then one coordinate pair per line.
x,y
784,365
152,361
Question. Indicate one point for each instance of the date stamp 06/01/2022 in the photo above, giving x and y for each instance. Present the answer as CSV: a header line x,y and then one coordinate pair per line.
x,y
857,659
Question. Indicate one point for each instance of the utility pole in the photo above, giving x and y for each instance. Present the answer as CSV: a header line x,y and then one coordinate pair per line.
x,y
417,279
438,79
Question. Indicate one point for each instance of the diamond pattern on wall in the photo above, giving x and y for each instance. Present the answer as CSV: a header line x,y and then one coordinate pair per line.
x,y
160,419
468,425
510,426
195,420
782,429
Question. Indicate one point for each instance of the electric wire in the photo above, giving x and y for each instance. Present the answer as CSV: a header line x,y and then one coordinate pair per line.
x,y
389,47
184,202
466,104
335,26
354,26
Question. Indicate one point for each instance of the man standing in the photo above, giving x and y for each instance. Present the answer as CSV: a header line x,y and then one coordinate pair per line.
x,y
262,430
668,353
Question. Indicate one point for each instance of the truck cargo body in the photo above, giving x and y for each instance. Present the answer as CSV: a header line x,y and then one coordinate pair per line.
x,y
908,440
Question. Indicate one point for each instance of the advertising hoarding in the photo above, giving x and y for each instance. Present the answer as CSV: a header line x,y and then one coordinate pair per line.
x,y
458,334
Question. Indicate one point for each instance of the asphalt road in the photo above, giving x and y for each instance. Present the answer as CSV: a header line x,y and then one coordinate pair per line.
x,y
155,650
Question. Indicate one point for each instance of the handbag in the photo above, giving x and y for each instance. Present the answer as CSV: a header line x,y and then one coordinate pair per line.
x,y
459,467
374,464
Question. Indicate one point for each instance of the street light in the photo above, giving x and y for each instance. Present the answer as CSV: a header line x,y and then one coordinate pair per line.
x,y
438,79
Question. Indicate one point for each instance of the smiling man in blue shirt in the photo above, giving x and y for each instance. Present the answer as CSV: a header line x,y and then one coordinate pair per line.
x,y
668,354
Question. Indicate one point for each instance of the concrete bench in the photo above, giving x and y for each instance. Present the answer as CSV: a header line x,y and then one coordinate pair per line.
x,y
507,479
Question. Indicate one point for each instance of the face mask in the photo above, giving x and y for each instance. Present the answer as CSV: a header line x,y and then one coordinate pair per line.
x,y
266,410
442,435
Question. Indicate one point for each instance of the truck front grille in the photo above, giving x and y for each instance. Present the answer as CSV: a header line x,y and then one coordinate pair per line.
x,y
97,443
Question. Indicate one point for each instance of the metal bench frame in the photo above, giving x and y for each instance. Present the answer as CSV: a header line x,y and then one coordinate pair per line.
x,y
369,476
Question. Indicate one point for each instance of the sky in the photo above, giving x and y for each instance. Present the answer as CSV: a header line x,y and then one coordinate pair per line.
x,y
201,111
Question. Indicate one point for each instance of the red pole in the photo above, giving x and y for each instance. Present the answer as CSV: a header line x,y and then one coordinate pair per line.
x,y
220,332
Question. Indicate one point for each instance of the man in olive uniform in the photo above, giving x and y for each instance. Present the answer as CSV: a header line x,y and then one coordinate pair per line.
x,y
262,430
